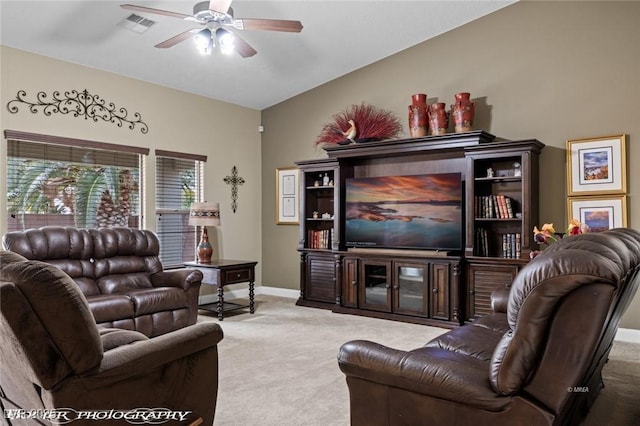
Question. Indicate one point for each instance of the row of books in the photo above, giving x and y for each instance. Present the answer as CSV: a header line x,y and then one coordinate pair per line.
x,y
511,244
319,239
494,206
482,242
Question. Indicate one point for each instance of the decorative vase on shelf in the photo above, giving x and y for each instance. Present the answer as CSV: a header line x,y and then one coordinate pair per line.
x,y
438,118
418,122
462,112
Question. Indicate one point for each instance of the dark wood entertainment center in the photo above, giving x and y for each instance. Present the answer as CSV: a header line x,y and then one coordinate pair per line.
x,y
500,208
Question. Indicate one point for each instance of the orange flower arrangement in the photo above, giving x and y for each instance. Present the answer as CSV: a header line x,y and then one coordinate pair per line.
x,y
542,236
575,227
547,234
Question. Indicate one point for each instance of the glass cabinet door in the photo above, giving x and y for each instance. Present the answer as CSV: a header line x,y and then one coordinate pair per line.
x,y
375,291
411,295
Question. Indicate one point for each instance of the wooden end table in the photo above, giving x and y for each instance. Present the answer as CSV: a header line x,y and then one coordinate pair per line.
x,y
222,272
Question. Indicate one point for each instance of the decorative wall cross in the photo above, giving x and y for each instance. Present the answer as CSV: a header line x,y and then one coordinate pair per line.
x,y
234,180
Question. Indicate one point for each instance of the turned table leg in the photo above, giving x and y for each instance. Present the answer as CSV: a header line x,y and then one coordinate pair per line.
x,y
251,306
220,307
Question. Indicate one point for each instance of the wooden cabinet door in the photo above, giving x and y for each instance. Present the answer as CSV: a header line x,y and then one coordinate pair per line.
x,y
439,285
410,289
350,283
375,285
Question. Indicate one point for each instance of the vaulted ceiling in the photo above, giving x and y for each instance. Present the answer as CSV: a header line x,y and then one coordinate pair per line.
x,y
338,37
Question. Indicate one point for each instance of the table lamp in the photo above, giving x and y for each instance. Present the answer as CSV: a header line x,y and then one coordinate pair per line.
x,y
204,214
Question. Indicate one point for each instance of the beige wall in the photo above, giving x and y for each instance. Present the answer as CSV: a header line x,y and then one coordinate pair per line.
x,y
546,70
178,121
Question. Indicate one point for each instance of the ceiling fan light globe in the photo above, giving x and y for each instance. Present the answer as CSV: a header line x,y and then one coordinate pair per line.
x,y
204,41
225,41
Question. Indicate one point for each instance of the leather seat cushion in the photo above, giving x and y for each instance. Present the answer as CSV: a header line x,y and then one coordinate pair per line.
x,y
155,300
496,322
110,307
475,340
124,282
114,338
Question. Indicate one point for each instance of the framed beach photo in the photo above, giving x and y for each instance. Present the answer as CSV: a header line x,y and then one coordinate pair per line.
x,y
600,213
287,196
596,166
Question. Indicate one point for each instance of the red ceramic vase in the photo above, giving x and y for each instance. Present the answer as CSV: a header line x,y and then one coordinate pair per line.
x,y
462,112
438,118
418,120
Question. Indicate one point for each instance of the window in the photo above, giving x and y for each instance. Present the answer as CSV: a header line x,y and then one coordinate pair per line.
x,y
179,182
70,182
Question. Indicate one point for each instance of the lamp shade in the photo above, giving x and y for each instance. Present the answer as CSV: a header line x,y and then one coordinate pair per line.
x,y
204,214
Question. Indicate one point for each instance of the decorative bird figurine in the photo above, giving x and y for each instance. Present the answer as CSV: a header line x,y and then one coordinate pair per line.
x,y
350,134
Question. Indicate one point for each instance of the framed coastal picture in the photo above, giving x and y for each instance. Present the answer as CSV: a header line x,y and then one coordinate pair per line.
x,y
287,197
596,166
600,213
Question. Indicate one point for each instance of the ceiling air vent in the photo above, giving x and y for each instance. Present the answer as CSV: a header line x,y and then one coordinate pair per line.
x,y
136,23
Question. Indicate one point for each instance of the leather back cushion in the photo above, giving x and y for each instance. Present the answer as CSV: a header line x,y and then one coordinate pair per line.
x,y
605,258
99,260
60,308
50,242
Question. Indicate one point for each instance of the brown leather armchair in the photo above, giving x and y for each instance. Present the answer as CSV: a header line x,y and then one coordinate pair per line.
x,y
120,274
55,357
537,362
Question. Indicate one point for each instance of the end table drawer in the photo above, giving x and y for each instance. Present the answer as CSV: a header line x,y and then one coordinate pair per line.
x,y
238,275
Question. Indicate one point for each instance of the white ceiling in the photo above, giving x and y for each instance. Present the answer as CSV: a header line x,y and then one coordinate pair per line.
x,y
338,37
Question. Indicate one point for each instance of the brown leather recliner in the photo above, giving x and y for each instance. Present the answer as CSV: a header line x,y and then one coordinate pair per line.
x,y
55,357
120,274
537,362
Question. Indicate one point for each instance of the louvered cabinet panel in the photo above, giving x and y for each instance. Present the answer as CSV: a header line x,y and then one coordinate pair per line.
x,y
320,278
482,280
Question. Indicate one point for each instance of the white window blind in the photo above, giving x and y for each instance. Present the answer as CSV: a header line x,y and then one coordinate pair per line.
x,y
179,183
60,181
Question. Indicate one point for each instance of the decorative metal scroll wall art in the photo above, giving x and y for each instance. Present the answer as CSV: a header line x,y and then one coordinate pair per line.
x,y
234,180
78,104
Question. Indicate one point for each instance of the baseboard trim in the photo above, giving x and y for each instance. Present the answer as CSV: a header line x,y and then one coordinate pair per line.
x,y
282,292
628,335
623,334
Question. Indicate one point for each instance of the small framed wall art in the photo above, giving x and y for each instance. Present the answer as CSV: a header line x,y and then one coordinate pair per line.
x,y
600,213
287,196
596,166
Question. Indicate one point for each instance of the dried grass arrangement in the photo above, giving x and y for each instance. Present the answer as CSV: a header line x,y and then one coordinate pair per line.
x,y
371,123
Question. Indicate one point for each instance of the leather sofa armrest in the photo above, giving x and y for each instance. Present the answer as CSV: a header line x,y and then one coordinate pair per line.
x,y
146,355
433,372
500,299
185,278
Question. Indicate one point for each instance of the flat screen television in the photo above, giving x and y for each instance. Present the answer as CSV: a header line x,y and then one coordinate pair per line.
x,y
408,212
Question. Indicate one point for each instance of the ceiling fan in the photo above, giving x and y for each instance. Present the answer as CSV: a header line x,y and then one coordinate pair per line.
x,y
216,20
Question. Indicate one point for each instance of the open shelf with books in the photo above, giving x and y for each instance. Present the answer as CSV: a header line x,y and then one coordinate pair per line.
x,y
318,200
502,189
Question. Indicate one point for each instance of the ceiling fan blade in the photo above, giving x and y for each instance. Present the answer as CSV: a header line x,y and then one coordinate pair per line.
x,y
242,47
221,6
177,39
270,25
155,11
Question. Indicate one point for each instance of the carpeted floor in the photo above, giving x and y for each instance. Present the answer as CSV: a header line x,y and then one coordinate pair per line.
x,y
278,366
